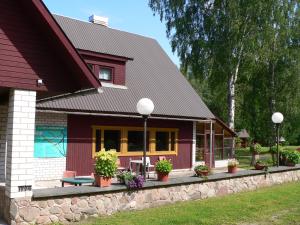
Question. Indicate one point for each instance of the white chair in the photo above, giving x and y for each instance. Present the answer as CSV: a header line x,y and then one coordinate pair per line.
x,y
148,165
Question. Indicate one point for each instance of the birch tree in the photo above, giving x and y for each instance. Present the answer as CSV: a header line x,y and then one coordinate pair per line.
x,y
211,37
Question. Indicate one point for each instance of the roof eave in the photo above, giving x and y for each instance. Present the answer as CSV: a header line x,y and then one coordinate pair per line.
x,y
66,43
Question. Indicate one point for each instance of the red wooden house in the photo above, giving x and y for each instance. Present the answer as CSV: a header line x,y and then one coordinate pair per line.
x,y
131,67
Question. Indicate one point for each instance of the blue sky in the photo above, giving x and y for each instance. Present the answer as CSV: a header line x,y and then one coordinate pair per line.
x,y
134,16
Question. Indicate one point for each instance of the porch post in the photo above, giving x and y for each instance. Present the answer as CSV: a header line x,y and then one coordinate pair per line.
x,y
194,144
20,143
211,146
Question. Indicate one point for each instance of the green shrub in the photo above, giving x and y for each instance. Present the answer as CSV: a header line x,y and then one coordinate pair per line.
x,y
125,176
273,149
106,163
256,148
292,156
164,166
201,168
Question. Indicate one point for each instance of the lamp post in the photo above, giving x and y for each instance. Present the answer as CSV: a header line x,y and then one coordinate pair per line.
x,y
277,118
145,107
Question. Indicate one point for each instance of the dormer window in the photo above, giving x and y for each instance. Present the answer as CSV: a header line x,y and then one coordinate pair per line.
x,y
105,74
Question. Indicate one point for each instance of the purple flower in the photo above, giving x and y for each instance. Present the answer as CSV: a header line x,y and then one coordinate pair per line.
x,y
136,183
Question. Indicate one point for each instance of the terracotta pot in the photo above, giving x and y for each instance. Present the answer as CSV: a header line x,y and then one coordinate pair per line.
x,y
202,173
232,169
162,176
259,166
290,164
102,181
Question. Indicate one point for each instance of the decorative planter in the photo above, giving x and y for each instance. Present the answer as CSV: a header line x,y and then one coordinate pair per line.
x,y
290,164
232,169
202,173
102,181
162,176
259,166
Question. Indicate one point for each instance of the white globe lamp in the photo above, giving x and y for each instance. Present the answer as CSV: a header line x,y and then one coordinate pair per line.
x,y
277,117
145,106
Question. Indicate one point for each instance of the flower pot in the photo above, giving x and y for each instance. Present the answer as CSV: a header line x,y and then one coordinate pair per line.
x,y
232,169
290,164
162,176
102,181
259,166
202,173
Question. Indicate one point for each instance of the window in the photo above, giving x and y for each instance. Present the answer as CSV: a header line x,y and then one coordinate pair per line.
x,y
112,140
162,141
129,141
218,151
135,140
105,74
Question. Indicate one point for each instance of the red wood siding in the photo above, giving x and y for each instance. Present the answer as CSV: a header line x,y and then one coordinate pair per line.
x,y
79,157
31,50
119,67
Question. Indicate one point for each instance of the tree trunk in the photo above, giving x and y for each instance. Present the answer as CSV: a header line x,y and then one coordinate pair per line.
x,y
231,101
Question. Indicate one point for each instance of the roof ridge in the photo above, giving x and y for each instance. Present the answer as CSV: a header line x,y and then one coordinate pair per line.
x,y
114,29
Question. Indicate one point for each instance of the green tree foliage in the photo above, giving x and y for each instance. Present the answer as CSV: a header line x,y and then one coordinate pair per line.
x,y
243,54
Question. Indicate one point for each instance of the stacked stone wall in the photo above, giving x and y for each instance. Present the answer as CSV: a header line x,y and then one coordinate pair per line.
x,y
74,208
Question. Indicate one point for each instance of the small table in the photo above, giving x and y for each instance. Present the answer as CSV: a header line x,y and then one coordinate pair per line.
x,y
77,181
138,162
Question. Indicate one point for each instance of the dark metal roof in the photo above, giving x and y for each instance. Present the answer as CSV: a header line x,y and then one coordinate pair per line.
x,y
243,134
150,74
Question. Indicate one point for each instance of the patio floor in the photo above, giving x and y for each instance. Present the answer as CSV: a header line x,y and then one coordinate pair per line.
x,y
175,174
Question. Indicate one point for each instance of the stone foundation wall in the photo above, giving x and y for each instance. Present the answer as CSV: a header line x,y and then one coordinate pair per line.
x,y
25,211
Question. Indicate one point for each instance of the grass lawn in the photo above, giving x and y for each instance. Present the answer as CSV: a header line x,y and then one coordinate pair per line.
x,y
243,155
275,205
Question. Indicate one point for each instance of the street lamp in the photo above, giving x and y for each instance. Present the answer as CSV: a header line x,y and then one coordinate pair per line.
x,y
277,118
145,107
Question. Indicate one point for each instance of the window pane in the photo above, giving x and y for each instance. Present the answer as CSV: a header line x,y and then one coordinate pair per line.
x,y
200,148
218,151
162,141
172,141
105,74
98,140
112,140
136,141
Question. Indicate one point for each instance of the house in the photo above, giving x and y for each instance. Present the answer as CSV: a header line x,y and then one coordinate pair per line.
x,y
69,89
131,67
244,137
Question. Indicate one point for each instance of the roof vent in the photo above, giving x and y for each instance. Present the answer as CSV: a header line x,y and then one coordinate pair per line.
x,y
99,20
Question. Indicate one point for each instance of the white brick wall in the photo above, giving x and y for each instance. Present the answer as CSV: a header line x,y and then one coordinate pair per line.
x,y
20,142
3,124
49,168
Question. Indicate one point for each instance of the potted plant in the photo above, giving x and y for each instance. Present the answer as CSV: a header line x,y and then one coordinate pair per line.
x,y
124,177
255,149
135,182
202,170
259,165
105,167
232,165
163,168
292,158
